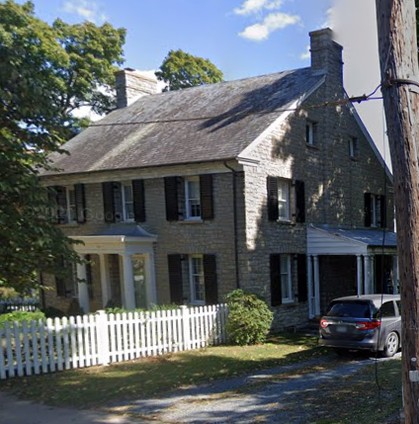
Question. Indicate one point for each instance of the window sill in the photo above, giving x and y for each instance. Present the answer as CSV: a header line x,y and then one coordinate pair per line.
x,y
192,221
312,146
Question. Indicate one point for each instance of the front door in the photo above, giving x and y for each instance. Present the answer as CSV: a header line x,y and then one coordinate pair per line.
x,y
140,280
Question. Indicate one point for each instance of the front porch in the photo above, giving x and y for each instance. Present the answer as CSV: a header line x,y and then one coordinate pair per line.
x,y
121,262
344,262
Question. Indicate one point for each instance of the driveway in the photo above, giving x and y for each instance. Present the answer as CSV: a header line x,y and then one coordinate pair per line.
x,y
269,396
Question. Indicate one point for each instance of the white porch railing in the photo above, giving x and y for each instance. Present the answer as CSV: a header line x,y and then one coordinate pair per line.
x,y
66,343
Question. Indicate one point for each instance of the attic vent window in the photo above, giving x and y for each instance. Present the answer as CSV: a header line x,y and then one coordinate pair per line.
x,y
311,133
353,148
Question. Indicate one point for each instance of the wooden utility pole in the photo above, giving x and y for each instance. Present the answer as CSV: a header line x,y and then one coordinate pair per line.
x,y
400,87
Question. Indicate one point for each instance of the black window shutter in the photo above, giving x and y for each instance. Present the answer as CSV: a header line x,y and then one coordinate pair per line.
x,y
207,207
80,203
302,277
139,200
60,286
108,201
61,204
175,278
275,268
367,209
300,202
272,186
171,195
210,276
383,208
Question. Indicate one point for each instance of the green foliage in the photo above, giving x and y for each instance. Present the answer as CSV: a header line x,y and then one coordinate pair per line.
x,y
182,70
46,71
20,316
249,318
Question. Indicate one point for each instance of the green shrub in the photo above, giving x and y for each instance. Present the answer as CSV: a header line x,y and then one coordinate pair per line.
x,y
20,316
249,318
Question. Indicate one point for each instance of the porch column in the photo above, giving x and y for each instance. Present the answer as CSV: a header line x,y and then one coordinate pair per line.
x,y
82,287
128,283
311,312
105,279
316,286
358,275
367,274
151,279
396,288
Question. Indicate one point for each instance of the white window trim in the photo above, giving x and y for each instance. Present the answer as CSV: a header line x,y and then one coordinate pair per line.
x,y
375,216
287,201
290,297
188,216
125,184
194,300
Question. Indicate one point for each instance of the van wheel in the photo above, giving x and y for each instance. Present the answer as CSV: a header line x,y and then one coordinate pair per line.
x,y
391,345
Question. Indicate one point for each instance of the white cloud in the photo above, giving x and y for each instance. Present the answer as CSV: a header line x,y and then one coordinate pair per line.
x,y
249,7
306,55
271,23
88,10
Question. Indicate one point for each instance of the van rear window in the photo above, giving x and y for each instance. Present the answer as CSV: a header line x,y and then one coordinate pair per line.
x,y
350,309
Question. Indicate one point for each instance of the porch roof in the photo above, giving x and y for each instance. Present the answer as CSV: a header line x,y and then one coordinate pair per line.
x,y
327,240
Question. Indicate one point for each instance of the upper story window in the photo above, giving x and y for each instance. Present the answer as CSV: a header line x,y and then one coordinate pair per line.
x,y
353,148
124,201
189,198
286,200
375,210
312,133
192,198
67,204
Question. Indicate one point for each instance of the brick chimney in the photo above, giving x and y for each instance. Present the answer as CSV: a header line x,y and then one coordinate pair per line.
x,y
131,84
326,54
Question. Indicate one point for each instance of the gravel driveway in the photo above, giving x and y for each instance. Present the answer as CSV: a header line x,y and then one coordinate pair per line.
x,y
270,396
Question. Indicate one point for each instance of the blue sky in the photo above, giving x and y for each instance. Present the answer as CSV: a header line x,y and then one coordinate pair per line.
x,y
241,37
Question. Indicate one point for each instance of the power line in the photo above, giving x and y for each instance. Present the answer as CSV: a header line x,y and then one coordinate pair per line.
x,y
338,102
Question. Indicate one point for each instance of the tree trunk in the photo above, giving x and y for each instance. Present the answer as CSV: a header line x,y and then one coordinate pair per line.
x,y
398,61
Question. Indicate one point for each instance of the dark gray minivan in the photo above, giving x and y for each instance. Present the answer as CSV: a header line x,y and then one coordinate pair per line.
x,y
370,322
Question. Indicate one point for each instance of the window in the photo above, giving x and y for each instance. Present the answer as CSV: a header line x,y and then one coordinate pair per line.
x,y
196,279
67,204
375,210
124,201
189,198
66,284
193,279
311,133
353,148
283,200
192,198
286,200
281,279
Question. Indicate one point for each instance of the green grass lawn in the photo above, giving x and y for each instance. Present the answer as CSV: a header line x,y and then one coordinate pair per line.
x,y
97,386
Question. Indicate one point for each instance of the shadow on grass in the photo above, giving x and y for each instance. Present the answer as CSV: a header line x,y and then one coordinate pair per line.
x,y
142,378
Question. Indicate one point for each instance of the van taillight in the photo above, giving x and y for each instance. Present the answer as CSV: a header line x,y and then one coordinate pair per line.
x,y
324,323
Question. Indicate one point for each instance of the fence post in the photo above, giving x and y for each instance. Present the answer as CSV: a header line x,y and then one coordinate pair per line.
x,y
186,327
102,337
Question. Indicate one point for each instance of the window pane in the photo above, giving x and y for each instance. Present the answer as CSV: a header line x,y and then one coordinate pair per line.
x,y
283,199
197,279
193,200
286,288
128,203
72,205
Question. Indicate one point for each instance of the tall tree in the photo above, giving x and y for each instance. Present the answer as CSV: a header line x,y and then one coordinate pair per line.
x,y
182,70
46,71
400,75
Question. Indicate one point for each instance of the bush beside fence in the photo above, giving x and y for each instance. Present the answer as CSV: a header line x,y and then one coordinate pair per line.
x,y
51,345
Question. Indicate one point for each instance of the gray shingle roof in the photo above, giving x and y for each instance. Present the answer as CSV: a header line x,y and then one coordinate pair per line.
x,y
199,124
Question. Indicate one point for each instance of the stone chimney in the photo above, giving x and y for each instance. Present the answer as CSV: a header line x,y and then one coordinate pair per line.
x,y
131,85
326,54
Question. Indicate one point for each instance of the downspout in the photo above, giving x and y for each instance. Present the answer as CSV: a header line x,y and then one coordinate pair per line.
x,y
236,241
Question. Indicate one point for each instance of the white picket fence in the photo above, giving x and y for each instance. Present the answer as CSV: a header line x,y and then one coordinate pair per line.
x,y
66,343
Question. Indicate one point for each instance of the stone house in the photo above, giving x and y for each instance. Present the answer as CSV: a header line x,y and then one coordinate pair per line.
x,y
271,184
